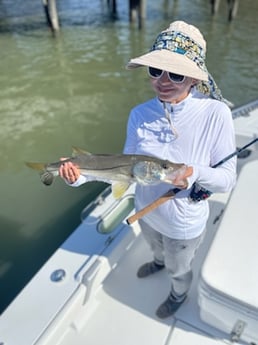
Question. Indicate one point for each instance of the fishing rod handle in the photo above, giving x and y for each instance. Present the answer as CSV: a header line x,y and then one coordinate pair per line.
x,y
161,200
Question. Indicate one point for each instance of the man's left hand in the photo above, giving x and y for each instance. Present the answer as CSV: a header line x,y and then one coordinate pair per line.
x,y
180,181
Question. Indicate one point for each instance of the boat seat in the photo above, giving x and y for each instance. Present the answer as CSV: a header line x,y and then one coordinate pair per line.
x,y
184,334
246,128
228,284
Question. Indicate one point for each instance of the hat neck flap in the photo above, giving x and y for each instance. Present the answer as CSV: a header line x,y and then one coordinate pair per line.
x,y
211,89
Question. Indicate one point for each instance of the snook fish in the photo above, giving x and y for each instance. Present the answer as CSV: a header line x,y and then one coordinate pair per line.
x,y
120,169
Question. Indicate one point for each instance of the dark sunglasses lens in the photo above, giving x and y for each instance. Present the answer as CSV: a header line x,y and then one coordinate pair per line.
x,y
155,72
177,78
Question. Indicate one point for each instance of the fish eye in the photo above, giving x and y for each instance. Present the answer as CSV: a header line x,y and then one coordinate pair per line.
x,y
165,166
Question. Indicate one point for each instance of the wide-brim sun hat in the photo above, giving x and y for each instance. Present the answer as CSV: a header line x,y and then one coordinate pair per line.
x,y
179,49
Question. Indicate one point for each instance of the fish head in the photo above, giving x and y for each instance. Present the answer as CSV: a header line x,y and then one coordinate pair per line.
x,y
154,172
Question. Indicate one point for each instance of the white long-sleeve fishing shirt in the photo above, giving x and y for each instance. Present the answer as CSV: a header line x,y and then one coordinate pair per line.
x,y
199,132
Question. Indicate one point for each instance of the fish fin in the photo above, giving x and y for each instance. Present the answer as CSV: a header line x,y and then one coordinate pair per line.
x,y
77,150
119,188
36,166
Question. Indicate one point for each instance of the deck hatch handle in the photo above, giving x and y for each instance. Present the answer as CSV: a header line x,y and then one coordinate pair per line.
x,y
237,331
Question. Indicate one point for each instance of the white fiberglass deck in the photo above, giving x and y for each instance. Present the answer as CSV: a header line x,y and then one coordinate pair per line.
x,y
101,301
123,309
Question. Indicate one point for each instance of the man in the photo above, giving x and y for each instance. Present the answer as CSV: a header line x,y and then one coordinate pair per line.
x,y
187,122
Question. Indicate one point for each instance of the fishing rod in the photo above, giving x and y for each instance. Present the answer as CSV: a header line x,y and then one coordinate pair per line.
x,y
197,194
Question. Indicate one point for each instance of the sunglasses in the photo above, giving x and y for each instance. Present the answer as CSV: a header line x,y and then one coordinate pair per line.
x,y
157,73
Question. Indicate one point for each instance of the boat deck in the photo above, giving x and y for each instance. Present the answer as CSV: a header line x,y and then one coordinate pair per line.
x,y
99,299
124,306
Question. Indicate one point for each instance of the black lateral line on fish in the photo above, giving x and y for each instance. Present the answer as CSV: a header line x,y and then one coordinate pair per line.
x,y
101,169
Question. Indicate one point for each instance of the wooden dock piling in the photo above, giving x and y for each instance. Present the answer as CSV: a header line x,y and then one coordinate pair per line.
x,y
113,7
137,11
214,6
51,14
232,7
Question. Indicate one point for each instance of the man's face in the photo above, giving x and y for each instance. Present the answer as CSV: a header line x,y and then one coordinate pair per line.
x,y
170,91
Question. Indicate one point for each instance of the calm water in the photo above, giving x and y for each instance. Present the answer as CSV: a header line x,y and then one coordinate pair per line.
x,y
74,90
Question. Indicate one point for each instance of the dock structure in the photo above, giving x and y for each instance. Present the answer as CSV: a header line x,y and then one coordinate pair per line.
x,y
137,11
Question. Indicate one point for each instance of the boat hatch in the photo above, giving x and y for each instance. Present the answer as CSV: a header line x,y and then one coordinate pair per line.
x,y
114,216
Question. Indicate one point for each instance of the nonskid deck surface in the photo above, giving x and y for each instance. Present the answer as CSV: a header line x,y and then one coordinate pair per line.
x,y
124,306
85,309
123,309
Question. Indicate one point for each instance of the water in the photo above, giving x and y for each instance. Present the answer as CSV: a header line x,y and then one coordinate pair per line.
x,y
74,90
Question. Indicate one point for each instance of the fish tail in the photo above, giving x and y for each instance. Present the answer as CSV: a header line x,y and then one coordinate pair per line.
x,y
46,176
36,166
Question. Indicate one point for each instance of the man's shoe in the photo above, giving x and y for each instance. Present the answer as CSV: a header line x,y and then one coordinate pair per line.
x,y
149,268
168,308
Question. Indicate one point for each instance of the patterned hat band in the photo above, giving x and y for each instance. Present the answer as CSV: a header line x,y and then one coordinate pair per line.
x,y
179,43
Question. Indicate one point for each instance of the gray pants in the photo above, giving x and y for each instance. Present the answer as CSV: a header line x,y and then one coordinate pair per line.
x,y
176,255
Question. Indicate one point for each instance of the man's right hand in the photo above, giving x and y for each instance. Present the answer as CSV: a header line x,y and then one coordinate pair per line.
x,y
69,172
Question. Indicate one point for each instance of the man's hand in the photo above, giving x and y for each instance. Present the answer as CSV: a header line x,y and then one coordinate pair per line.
x,y
180,180
69,172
